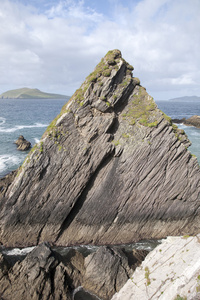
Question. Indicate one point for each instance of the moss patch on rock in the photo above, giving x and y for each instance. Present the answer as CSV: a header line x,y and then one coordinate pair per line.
x,y
141,109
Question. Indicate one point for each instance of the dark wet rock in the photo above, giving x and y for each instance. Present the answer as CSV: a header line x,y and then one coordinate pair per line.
x,y
45,274
39,276
135,257
110,169
22,144
192,121
107,270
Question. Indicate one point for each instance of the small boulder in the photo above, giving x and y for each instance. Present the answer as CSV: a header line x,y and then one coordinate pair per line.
x,y
22,143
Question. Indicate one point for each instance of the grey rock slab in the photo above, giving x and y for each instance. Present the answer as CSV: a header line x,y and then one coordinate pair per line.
x,y
110,262
172,269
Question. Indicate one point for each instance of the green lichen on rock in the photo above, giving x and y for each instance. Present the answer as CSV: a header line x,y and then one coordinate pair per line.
x,y
166,117
105,66
41,147
141,109
178,297
110,62
147,273
52,125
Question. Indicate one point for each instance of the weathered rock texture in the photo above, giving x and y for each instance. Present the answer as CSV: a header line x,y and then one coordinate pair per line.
x,y
22,143
170,272
105,271
5,182
111,168
192,121
44,274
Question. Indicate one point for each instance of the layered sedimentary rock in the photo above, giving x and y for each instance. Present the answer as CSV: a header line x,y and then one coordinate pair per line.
x,y
22,144
44,274
111,168
170,272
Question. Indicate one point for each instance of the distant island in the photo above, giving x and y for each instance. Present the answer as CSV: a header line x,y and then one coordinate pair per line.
x,y
27,93
186,98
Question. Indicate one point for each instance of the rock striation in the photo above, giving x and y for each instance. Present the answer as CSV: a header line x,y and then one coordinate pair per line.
x,y
22,143
192,121
44,274
111,168
170,272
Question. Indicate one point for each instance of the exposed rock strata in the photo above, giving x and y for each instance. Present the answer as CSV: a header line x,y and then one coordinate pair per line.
x,y
44,274
22,143
5,182
192,121
171,271
111,168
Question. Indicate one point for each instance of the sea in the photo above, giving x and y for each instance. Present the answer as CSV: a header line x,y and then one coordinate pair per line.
x,y
27,117
30,118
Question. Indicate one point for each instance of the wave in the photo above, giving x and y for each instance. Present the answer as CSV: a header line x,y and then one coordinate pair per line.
x,y
36,140
19,127
17,251
7,161
182,126
2,121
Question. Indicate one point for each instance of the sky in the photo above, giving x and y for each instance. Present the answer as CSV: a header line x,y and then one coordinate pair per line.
x,y
53,45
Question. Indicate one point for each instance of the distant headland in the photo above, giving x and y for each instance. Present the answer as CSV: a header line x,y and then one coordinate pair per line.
x,y
186,98
28,93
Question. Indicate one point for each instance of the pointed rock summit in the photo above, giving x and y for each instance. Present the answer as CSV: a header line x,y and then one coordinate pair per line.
x,y
111,168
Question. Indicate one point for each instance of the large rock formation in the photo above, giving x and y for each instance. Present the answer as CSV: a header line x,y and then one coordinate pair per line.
x,y
111,168
170,272
44,274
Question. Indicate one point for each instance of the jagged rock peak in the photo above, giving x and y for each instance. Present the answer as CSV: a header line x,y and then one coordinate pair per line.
x,y
111,168
105,86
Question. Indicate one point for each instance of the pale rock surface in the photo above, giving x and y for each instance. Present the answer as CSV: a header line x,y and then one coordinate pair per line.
x,y
171,271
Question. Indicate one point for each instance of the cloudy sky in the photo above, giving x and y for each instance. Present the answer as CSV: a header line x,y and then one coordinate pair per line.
x,y
54,44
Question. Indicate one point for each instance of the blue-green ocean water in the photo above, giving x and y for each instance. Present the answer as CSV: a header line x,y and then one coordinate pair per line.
x,y
27,117
187,109
30,118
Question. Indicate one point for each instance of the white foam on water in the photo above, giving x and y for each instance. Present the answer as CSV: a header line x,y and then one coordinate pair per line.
x,y
8,160
17,251
182,126
19,127
36,140
2,121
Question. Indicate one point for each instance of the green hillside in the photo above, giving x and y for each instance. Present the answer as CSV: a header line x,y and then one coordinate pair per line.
x,y
27,93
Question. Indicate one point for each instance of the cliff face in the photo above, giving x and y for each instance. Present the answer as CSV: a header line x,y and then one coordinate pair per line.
x,y
111,168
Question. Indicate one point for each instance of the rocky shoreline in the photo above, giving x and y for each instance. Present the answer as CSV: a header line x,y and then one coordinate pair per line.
x,y
170,271
45,274
192,121
110,169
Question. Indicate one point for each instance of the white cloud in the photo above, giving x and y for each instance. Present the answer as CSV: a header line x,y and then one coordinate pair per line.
x,y
55,47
